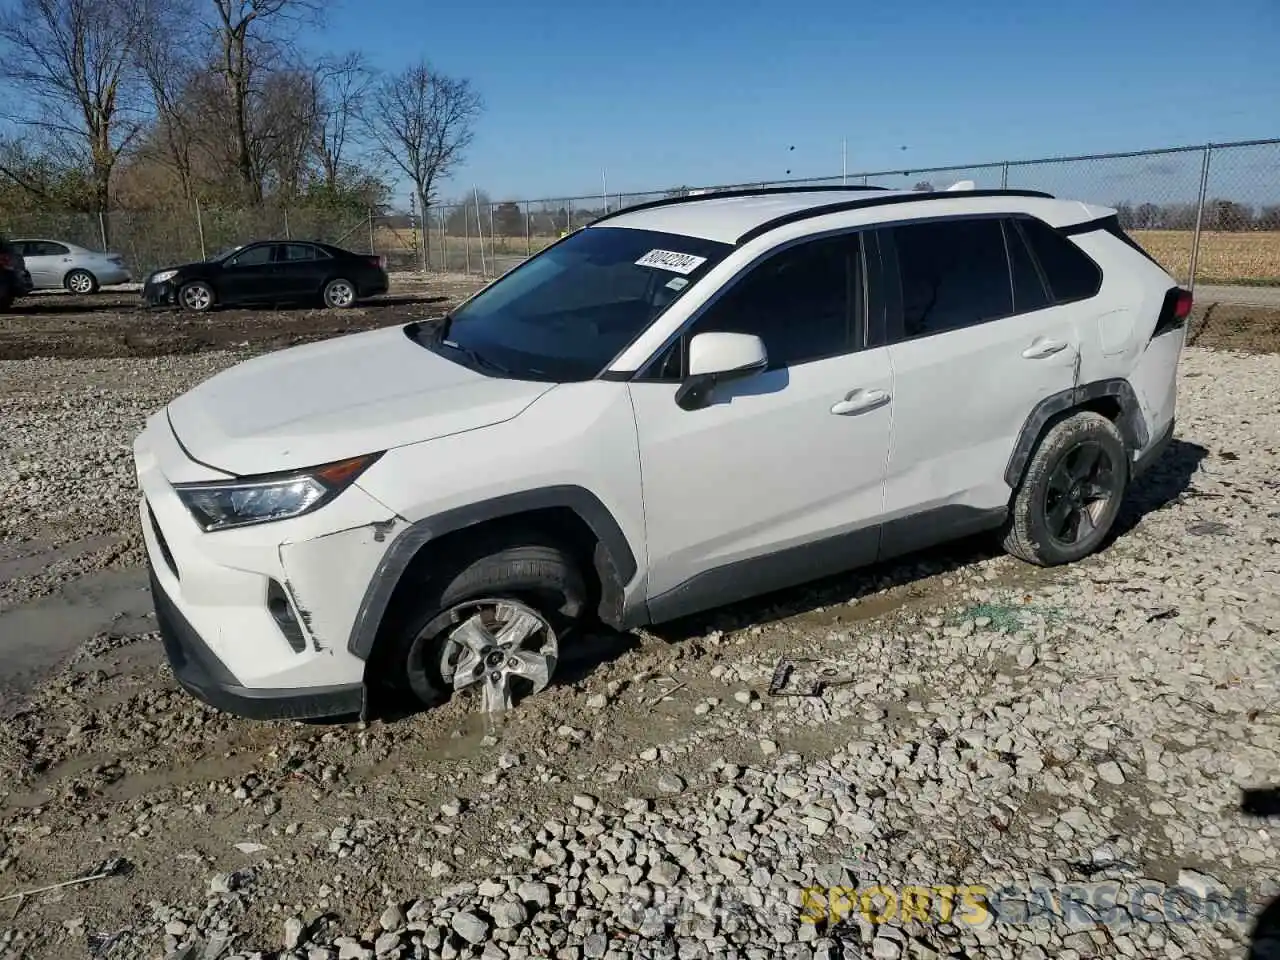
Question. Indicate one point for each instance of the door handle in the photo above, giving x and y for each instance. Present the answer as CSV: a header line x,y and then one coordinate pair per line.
x,y
1043,348
860,401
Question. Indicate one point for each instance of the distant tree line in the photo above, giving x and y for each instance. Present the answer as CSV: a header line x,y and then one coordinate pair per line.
x,y
153,104
1224,215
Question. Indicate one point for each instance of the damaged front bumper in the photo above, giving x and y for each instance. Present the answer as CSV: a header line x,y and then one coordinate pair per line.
x,y
256,621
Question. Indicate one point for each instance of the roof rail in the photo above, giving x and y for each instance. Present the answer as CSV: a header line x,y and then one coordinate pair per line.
x,y
722,194
914,197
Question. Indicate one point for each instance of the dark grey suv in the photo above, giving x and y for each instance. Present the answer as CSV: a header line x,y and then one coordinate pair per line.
x,y
15,281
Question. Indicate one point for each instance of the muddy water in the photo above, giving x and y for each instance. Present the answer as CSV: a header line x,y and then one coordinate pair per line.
x,y
36,637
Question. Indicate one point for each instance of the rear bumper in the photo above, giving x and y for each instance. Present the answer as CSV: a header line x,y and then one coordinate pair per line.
x,y
376,287
1155,450
206,678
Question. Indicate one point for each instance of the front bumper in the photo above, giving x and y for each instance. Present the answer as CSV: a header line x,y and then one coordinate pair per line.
x,y
206,678
159,294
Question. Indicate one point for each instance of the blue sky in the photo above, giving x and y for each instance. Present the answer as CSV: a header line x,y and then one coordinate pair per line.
x,y
709,91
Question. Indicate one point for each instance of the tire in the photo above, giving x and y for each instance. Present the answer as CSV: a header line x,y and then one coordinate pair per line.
x,y
1041,527
419,635
339,294
196,297
81,282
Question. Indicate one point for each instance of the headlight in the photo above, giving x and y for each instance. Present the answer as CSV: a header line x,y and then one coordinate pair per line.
x,y
276,496
163,275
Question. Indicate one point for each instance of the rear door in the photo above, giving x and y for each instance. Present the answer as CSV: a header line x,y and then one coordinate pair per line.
x,y
300,269
976,343
45,262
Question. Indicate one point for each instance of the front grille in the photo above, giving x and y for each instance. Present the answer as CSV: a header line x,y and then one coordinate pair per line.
x,y
162,543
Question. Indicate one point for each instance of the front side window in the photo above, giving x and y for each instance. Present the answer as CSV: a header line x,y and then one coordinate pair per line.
x,y
955,273
566,313
802,302
253,257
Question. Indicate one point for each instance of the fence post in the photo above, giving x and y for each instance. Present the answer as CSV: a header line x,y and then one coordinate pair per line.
x,y
466,235
102,229
426,235
493,239
528,241
1004,176
372,249
1195,239
200,230
287,235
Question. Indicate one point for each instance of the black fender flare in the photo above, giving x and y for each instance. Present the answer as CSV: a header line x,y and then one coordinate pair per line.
x,y
615,560
1132,424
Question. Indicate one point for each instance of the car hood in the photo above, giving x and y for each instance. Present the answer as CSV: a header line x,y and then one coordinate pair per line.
x,y
182,267
339,398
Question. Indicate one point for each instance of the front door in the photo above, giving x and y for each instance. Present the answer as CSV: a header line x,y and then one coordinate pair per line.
x,y
248,276
781,478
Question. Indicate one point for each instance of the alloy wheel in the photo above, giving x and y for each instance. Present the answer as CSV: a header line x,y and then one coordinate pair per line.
x,y
1079,492
341,293
503,648
80,282
196,297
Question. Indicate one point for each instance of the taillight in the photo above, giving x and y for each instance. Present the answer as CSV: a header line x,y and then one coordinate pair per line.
x,y
1174,311
6,261
379,262
1182,306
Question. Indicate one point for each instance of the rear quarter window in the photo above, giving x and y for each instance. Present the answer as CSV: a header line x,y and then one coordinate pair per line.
x,y
1070,272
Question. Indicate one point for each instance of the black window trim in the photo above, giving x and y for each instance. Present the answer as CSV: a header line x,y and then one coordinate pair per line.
x,y
860,324
1014,223
1066,233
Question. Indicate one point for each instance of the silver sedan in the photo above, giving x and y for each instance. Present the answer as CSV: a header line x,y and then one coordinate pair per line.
x,y
57,265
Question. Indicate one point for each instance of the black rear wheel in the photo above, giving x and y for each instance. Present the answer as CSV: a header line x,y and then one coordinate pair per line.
x,y
1071,493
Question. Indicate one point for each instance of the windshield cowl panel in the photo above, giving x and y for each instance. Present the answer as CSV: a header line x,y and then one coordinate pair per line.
x,y
564,314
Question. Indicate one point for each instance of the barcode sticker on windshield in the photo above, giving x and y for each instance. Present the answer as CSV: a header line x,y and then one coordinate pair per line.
x,y
670,260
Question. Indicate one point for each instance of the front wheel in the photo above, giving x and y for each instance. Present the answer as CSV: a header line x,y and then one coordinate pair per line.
x,y
339,294
491,630
196,297
1071,493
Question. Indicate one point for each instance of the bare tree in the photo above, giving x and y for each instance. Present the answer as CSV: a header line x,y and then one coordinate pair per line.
x,y
72,62
339,87
247,41
421,123
167,57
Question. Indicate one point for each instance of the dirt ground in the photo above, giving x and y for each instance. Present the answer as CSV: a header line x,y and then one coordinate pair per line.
x,y
199,822
117,325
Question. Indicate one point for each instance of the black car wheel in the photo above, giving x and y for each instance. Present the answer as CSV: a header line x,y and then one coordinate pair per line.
x,y
1071,493
196,296
339,294
81,281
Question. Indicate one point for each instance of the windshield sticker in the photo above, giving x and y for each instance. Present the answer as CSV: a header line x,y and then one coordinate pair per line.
x,y
676,283
670,260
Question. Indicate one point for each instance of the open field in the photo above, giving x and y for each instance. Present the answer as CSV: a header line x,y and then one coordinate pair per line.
x,y
1093,729
1243,257
1227,258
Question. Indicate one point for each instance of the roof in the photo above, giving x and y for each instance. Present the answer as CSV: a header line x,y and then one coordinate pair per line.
x,y
738,216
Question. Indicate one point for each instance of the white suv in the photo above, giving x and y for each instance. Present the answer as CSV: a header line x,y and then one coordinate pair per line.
x,y
684,404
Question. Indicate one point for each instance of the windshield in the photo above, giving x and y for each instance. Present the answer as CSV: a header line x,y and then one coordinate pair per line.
x,y
565,313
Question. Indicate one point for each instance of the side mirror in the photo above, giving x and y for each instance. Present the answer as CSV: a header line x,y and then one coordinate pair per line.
x,y
716,358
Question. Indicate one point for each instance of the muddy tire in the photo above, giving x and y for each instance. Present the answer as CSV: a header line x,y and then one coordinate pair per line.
x,y
339,294
1071,492
81,282
498,616
196,297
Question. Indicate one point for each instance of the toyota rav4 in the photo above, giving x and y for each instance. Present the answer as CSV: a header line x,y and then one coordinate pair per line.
x,y
684,404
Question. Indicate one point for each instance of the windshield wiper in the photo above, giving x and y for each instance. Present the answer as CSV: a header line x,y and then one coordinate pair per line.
x,y
477,359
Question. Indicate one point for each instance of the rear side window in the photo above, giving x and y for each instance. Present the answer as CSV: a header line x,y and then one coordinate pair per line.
x,y
1029,292
955,273
1070,273
302,251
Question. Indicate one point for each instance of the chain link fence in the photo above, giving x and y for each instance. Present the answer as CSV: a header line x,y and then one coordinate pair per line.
x,y
1209,214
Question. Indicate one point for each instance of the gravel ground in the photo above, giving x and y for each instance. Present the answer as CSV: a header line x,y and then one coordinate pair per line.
x,y
1069,749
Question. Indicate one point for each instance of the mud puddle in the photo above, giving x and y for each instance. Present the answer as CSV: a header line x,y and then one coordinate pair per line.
x,y
37,636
